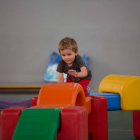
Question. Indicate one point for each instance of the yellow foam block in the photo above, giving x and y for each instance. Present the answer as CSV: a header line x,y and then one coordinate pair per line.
x,y
127,86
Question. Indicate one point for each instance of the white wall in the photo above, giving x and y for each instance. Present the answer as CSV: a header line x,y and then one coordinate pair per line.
x,y
108,31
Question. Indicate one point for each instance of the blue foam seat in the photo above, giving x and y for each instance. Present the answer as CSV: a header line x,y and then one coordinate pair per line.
x,y
113,100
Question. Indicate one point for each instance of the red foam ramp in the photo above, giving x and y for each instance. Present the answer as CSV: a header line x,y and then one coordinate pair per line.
x,y
34,101
97,120
9,119
74,124
136,124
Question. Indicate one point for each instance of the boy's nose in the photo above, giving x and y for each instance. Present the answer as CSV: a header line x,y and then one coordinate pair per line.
x,y
67,57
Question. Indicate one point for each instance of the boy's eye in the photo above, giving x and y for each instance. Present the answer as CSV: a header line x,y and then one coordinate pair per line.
x,y
69,54
63,55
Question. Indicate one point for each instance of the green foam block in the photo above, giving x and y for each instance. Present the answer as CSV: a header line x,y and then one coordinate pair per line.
x,y
38,124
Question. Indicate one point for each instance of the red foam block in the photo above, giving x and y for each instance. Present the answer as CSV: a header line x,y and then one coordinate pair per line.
x,y
136,124
97,120
9,119
74,124
34,101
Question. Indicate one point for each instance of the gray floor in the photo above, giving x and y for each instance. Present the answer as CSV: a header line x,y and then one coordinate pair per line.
x,y
120,125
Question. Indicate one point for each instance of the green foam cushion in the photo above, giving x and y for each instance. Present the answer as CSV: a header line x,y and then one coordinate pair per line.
x,y
35,124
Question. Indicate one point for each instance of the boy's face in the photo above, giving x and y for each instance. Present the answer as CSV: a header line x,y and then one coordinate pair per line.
x,y
68,56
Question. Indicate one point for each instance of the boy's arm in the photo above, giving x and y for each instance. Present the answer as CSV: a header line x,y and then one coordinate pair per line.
x,y
82,73
60,78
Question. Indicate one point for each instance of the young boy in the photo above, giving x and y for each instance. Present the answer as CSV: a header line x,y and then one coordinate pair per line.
x,y
72,64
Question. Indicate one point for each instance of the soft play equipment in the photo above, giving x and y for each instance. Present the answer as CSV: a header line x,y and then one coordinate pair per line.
x,y
126,89
81,118
74,124
71,94
80,115
9,119
5,103
127,86
113,100
34,101
35,124
136,124
97,120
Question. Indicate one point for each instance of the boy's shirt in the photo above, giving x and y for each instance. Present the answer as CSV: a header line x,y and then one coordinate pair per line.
x,y
77,64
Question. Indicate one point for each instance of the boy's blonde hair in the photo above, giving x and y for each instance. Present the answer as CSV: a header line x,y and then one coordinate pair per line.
x,y
68,43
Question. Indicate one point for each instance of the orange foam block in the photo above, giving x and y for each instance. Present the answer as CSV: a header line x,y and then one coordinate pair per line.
x,y
63,94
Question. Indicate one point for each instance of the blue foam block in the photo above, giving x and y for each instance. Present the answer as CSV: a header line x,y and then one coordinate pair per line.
x,y
113,100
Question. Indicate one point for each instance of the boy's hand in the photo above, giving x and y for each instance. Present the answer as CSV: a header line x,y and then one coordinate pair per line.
x,y
73,73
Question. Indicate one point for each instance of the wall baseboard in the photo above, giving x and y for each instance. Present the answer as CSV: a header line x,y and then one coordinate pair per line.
x,y
20,87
